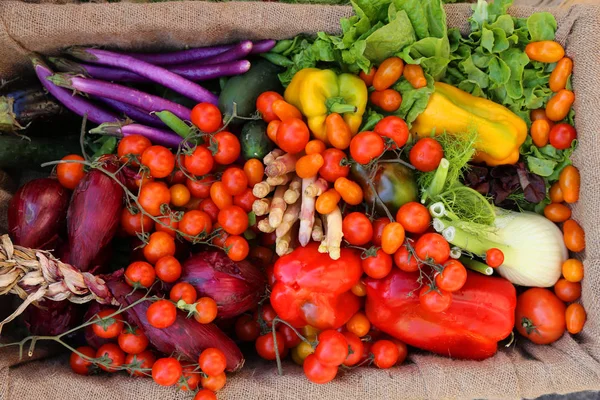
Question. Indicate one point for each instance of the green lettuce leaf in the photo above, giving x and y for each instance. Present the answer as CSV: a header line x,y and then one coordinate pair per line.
x,y
542,26
389,39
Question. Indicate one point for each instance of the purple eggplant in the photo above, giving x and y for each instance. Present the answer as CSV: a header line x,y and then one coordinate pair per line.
x,y
202,72
155,135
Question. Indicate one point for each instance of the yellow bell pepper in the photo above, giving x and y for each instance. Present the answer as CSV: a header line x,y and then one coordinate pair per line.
x,y
316,93
500,132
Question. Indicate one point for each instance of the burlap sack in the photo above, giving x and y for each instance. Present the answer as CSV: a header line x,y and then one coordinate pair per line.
x,y
525,370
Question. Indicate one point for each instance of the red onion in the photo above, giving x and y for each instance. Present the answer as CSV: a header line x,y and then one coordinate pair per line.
x,y
54,318
235,286
37,212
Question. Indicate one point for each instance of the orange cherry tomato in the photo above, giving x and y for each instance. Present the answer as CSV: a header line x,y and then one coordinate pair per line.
x,y
392,237
350,191
388,100
315,146
559,105
368,78
359,324
557,212
414,75
161,244
539,113
540,131
338,132
152,196
560,74
556,194
70,174
388,73
573,235
272,130
180,195
264,105
255,170
327,202
309,165
360,289
284,110
570,181
572,270
546,51
218,194
567,291
576,317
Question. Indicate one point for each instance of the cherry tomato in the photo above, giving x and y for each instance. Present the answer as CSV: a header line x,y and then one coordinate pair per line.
x,y
140,273
205,394
114,354
207,117
265,346
356,349
494,257
194,223
453,276
180,195
435,300
200,188
136,223
359,324
377,266
572,270
557,212
316,372
191,377
562,135
237,247
159,160
220,236
368,78
567,291
332,168
304,349
327,202
143,360
79,365
291,338
388,73
133,341
415,76
292,135
432,246
212,361
540,316
206,310
254,170
573,236
168,226
366,146
378,226
385,354
402,351
245,200
338,132
285,110
426,154
272,129
332,349
360,289
267,314
200,162
546,51
569,182
357,229
556,195
540,113
405,261
109,327
161,244
560,74
392,237
219,195
227,148
414,217
213,383
233,220
540,132
388,100
247,329
70,174
350,191
209,207
131,148
152,196
183,291
575,316
235,180
315,146
394,128
559,105
168,269
166,371
264,105
161,314
308,166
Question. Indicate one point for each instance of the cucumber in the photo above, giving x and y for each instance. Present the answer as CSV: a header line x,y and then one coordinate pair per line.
x,y
21,153
243,90
254,140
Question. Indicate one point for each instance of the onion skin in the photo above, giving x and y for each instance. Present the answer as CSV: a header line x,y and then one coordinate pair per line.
x,y
55,318
186,337
37,213
93,216
235,286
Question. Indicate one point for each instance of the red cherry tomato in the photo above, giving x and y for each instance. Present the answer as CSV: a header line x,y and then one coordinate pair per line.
x,y
207,117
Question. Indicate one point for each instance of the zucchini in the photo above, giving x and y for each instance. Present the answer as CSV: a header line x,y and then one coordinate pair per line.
x,y
254,140
16,152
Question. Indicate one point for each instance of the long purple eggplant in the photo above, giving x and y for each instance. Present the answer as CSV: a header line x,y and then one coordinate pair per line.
x,y
182,56
155,73
132,112
186,337
201,72
97,71
262,46
155,135
120,93
77,104
237,52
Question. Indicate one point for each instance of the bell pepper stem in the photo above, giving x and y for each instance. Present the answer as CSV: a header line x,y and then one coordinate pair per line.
x,y
338,105
476,265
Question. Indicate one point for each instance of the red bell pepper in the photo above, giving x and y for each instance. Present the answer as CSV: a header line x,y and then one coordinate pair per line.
x,y
481,314
312,289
